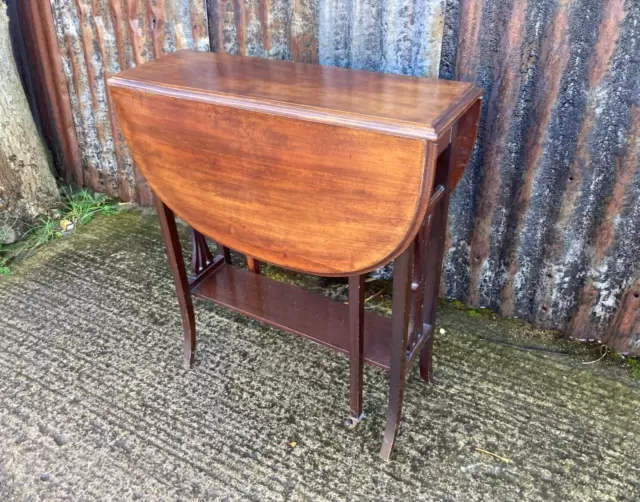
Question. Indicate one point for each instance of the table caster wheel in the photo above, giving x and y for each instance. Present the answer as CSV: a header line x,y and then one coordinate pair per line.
x,y
352,422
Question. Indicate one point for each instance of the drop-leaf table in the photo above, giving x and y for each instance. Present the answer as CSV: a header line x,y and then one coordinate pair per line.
x,y
322,170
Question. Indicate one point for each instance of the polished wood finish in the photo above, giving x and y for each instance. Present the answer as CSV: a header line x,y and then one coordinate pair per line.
x,y
302,200
399,336
253,265
201,255
405,106
296,311
180,279
226,252
463,134
322,170
292,189
356,344
434,254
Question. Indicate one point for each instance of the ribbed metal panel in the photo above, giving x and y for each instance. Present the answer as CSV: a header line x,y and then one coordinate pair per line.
x,y
395,36
546,223
97,38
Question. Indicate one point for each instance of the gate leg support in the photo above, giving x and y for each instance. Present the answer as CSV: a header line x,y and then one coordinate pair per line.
x,y
356,346
176,263
434,251
201,256
399,335
435,254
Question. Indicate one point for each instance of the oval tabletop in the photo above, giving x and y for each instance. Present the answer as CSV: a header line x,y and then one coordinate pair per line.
x,y
323,170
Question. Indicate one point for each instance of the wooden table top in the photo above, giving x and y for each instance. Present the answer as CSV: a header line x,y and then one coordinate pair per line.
x,y
322,170
396,104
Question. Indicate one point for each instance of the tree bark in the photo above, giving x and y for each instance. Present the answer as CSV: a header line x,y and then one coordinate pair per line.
x,y
27,184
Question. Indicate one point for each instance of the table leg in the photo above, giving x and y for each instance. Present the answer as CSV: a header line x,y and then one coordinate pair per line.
x,y
226,252
176,263
400,327
356,349
435,254
253,264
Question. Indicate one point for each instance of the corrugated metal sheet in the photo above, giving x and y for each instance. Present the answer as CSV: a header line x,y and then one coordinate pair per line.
x,y
97,38
397,36
546,223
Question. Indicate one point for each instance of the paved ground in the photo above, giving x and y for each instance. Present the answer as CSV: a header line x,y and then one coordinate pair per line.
x,y
94,404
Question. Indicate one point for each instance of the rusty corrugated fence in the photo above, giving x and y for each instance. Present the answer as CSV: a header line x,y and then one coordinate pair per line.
x,y
546,222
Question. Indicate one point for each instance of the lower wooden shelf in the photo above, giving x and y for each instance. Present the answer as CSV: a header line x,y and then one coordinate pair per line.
x,y
295,310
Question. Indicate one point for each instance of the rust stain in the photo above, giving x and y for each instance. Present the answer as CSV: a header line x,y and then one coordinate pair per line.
x,y
553,61
117,20
304,49
501,106
98,20
135,32
303,42
91,176
216,25
199,28
626,169
240,17
613,13
86,36
625,329
263,15
579,325
121,189
86,39
598,63
470,22
143,193
156,20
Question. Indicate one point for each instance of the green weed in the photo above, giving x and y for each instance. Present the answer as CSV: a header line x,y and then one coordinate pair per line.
x,y
81,206
634,364
77,208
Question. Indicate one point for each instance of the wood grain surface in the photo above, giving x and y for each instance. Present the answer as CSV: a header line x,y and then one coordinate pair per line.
x,y
410,106
322,170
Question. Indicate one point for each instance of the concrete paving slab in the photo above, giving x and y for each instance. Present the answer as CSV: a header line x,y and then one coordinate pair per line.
x,y
94,404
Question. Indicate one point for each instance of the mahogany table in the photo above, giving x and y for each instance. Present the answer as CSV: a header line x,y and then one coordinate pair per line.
x,y
322,170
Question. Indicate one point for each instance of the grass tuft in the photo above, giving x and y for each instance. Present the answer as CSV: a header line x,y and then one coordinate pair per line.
x,y
78,207
81,206
634,364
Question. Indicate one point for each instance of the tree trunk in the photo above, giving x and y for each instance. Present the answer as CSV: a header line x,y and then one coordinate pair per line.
x,y
27,185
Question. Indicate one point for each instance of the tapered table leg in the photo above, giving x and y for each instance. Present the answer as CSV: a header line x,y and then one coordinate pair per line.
x,y
176,263
400,326
356,346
